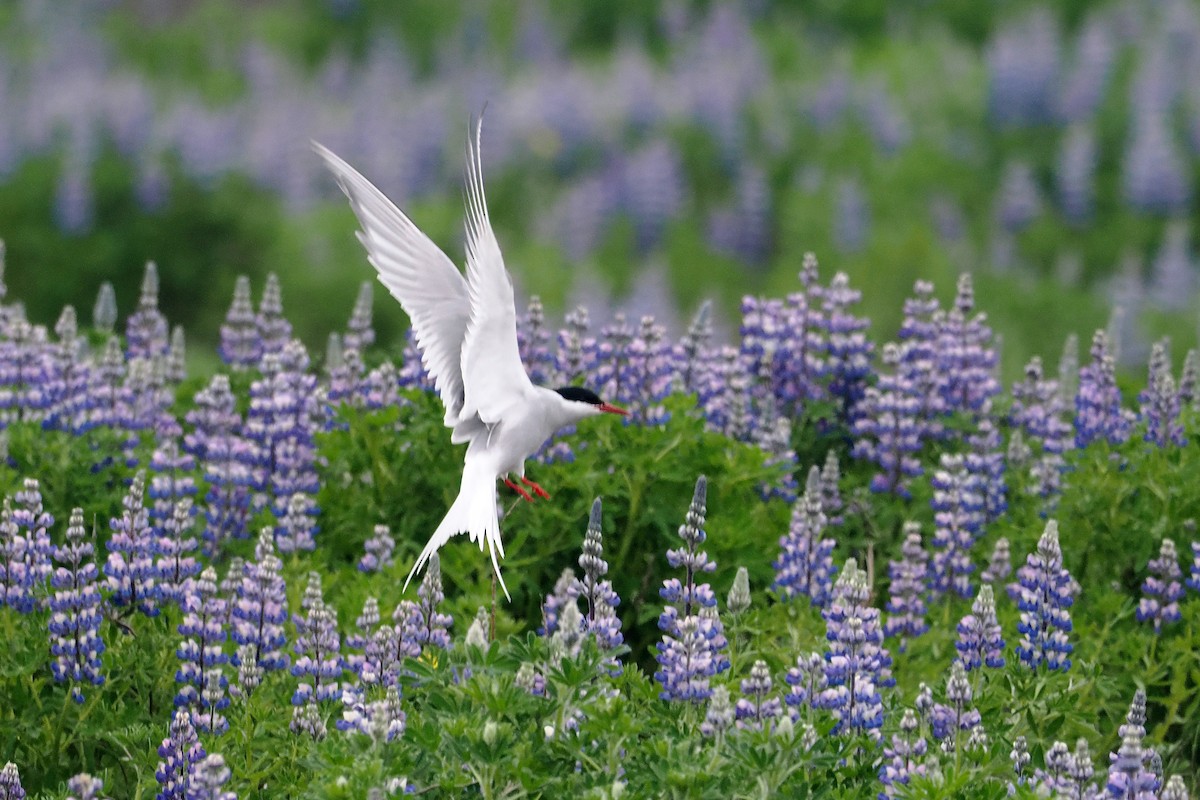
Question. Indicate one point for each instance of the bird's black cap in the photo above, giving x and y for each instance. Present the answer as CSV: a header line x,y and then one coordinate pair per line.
x,y
579,395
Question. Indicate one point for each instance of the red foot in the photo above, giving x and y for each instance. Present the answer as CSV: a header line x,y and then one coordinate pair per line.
x,y
517,489
538,490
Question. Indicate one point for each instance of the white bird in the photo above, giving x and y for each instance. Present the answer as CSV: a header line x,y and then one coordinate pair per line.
x,y
466,330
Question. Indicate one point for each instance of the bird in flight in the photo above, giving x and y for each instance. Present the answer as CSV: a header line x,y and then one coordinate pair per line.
x,y
466,330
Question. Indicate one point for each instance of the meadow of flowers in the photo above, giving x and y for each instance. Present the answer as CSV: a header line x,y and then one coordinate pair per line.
x,y
810,564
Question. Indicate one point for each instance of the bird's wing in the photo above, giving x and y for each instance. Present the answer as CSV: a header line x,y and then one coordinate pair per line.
x,y
418,274
494,379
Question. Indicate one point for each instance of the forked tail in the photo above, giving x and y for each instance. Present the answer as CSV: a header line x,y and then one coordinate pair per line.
x,y
474,513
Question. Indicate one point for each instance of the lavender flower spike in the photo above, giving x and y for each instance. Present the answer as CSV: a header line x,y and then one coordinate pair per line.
x,y
758,708
75,611
980,641
1162,589
180,751
1045,593
10,783
805,563
1128,776
856,665
909,582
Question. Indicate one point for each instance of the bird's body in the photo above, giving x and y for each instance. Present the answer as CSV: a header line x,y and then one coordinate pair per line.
x,y
466,332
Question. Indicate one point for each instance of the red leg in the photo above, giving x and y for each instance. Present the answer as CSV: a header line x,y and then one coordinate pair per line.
x,y
517,489
538,490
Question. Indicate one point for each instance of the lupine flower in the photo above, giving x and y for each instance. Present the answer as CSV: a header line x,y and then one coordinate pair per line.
x,y
174,565
831,497
359,333
650,373
888,427
132,574
1127,775
75,611
228,462
565,642
71,376
692,352
104,386
531,680
533,341
176,363
104,312
241,347
1037,409
720,715
382,719
261,607
1175,789
848,350
181,751
738,600
84,787
856,666
202,654
904,757
171,480
318,663
1194,576
958,519
15,580
209,777
688,657
805,563
1189,380
378,550
980,639
365,626
916,359
1019,755
307,719
1044,594
985,465
999,564
602,601
909,580
757,709
274,332
807,680
146,328
566,590
1160,403
1162,589
424,625
951,720
32,523
1098,412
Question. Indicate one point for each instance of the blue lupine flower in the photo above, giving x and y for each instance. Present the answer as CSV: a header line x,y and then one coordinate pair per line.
x,y
318,662
980,639
202,654
174,547
72,375
209,777
904,757
986,465
146,329
104,386
274,332
378,550
805,563
1194,574
758,708
1160,402
171,480
359,333
382,719
425,625
241,343
688,657
566,590
1044,594
1128,777
33,523
602,601
132,574
181,751
999,563
1098,412
888,425
692,355
1162,588
958,519
917,359
10,783
951,720
720,715
84,787
261,607
831,497
909,582
75,614
965,359
1037,409
807,680
650,374
848,349
228,462
856,666
365,626
16,582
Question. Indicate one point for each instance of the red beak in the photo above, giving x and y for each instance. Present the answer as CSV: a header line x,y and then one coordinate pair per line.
x,y
610,409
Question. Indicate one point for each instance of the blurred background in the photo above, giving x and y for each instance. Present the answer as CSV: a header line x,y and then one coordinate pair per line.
x,y
639,154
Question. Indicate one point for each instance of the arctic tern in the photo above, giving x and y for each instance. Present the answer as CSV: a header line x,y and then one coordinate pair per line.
x,y
466,330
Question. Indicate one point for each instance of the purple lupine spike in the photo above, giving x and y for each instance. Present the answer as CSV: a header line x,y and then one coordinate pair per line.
x,y
909,582
171,480
956,717
692,354
805,564
999,564
10,783
274,332
359,333
685,670
1045,593
75,614
773,436
917,359
425,625
888,427
650,373
533,339
958,519
27,372
413,374
577,351
378,550
1037,410
720,715
364,628
382,719
612,373
849,351
965,358
985,464
980,640
132,574
1153,175
380,388
1194,574
228,462
831,497
104,312
856,666
1128,776
1098,412
601,617
298,528
15,578
1162,589
209,779
241,342
904,757
807,682
146,329
566,590
181,751
758,709
33,524
1160,402
202,655
72,373
319,662
261,606
1020,758
84,787
1189,380
174,546
104,387
176,361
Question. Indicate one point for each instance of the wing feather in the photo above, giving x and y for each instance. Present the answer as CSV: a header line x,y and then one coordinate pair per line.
x,y
429,287
494,379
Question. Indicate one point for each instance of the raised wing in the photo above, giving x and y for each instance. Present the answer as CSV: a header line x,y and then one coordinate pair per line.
x,y
493,376
429,287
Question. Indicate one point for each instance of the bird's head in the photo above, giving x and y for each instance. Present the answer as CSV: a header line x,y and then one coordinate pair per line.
x,y
584,402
